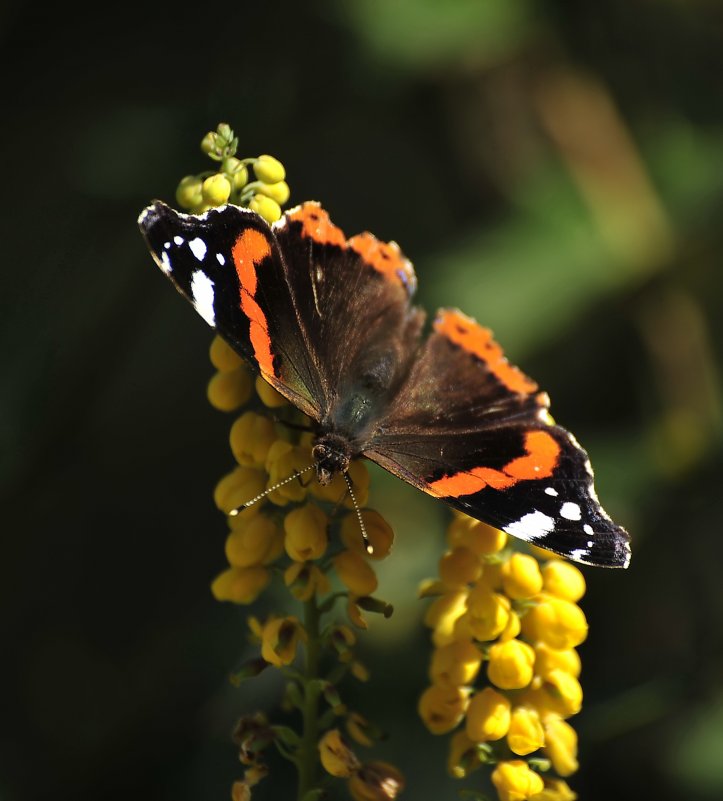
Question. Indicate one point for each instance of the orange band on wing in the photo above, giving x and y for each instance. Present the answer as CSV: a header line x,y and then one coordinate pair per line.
x,y
542,452
477,340
258,334
384,257
249,250
317,225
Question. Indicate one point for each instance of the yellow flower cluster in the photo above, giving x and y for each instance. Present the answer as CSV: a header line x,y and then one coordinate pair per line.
x,y
290,522
286,533
230,183
505,627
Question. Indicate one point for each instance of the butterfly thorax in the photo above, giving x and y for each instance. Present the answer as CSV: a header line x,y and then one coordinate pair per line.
x,y
331,454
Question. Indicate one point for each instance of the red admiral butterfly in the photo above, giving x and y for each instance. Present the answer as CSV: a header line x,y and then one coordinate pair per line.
x,y
328,322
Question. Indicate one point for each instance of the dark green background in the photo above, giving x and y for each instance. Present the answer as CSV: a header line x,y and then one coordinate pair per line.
x,y
553,168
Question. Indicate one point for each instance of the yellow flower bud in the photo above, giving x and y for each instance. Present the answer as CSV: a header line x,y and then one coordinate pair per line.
x,y
459,567
279,639
360,729
223,356
237,487
188,192
548,659
360,670
279,191
240,791
441,709
208,143
240,585
379,533
521,577
513,627
354,613
526,733
455,664
488,613
558,623
475,535
563,580
488,716
376,781
305,580
229,389
240,178
306,536
511,664
265,207
355,573
442,615
491,577
336,756
565,690
269,170
250,543
515,781
216,189
251,437
561,746
555,790
269,396
462,755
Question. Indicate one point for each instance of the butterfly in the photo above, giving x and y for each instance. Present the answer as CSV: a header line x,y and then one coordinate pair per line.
x,y
329,322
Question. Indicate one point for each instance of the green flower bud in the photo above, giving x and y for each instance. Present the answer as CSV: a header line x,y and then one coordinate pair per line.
x,y
269,170
240,178
225,131
265,207
231,165
216,189
208,143
188,192
278,191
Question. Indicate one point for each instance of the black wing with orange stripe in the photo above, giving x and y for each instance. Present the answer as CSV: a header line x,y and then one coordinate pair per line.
x,y
471,429
325,319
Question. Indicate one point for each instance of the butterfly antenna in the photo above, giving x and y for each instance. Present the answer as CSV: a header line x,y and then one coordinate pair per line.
x,y
296,474
367,545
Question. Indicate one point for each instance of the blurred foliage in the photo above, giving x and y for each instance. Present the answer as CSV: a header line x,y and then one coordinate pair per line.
x,y
554,169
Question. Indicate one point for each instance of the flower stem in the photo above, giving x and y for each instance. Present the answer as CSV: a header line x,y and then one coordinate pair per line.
x,y
310,713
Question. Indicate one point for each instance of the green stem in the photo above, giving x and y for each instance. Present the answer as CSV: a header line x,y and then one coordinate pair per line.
x,y
308,758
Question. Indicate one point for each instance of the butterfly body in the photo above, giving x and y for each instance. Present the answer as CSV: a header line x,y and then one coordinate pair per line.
x,y
328,321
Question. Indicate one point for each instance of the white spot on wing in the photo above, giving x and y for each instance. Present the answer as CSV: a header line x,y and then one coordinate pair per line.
x,y
570,511
551,491
587,528
220,259
203,294
532,525
179,240
166,245
198,248
166,263
579,553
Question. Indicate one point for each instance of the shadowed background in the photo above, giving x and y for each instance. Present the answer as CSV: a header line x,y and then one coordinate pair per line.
x,y
554,169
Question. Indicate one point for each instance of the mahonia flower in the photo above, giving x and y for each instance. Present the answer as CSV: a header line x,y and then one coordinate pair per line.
x,y
505,625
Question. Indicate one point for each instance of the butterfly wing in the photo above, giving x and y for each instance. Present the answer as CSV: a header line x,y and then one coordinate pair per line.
x,y
471,429
292,298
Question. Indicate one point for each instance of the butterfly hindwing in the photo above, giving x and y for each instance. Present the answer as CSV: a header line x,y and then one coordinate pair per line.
x,y
469,428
